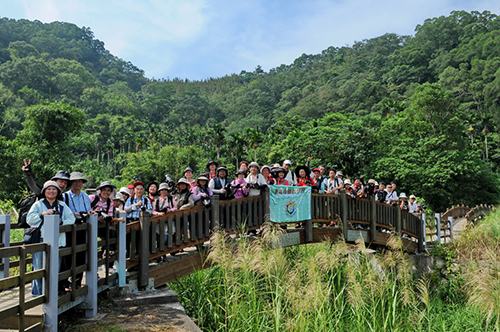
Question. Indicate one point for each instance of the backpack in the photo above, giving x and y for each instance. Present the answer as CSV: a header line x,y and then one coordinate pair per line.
x,y
26,205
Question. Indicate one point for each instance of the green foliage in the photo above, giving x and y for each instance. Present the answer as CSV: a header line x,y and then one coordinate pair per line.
x,y
45,138
420,109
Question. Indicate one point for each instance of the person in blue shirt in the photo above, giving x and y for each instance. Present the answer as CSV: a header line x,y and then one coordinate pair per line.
x,y
51,203
138,202
79,203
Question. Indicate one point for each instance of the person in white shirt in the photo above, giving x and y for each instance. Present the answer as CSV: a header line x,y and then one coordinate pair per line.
x,y
334,183
413,205
392,196
255,180
290,176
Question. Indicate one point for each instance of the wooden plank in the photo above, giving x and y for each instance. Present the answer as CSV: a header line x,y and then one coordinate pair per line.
x,y
185,220
152,236
192,226
234,222
215,212
133,244
256,213
206,223
199,223
161,235
178,230
240,219
247,213
22,273
227,216
170,223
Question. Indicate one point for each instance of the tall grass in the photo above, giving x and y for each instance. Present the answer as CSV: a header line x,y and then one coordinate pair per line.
x,y
316,287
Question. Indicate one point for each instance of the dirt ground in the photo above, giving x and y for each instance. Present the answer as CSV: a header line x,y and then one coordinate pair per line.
x,y
111,318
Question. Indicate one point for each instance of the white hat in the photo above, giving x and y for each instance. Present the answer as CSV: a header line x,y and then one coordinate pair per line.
x,y
347,181
412,196
402,195
287,162
125,190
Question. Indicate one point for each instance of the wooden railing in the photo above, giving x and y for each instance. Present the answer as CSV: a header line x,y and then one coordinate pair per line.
x,y
15,274
137,243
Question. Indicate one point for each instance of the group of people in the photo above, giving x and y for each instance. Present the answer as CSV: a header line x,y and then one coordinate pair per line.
x,y
74,205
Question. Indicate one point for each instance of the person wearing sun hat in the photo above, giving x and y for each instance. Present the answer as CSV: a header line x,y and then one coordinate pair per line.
x,y
218,184
212,169
255,180
188,175
290,176
239,186
403,202
61,177
266,173
183,198
165,203
201,192
48,205
79,203
303,179
103,200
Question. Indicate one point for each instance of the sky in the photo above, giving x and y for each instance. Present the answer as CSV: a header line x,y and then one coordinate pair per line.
x,y
201,39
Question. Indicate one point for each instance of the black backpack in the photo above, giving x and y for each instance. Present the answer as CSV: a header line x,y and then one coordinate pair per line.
x,y
26,205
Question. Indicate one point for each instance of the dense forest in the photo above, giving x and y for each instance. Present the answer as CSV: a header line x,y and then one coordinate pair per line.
x,y
421,109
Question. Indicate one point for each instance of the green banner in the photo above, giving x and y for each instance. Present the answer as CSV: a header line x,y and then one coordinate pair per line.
x,y
290,204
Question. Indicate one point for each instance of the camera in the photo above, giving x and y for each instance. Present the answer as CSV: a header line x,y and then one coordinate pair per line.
x,y
104,215
84,216
55,211
369,189
274,174
271,182
236,186
206,202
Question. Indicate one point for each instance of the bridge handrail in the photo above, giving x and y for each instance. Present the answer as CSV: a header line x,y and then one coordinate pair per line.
x,y
86,296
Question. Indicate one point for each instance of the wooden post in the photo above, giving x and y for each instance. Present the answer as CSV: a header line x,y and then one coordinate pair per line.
x,y
424,231
343,215
450,219
266,202
215,213
144,251
122,252
398,220
373,221
419,234
438,227
51,235
308,229
91,274
5,220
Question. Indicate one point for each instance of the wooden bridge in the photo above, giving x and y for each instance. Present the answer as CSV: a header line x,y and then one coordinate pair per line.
x,y
138,244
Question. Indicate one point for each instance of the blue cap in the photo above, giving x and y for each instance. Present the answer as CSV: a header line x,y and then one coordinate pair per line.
x,y
188,169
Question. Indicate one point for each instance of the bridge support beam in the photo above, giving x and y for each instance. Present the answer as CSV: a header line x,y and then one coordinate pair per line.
x,y
308,231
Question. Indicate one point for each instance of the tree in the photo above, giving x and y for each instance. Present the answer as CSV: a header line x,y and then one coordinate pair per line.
x,y
46,136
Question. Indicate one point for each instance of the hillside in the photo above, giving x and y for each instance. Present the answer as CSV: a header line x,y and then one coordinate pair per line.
x,y
421,109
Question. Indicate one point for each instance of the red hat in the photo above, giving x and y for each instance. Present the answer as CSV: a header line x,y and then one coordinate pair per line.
x,y
130,186
138,183
316,169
